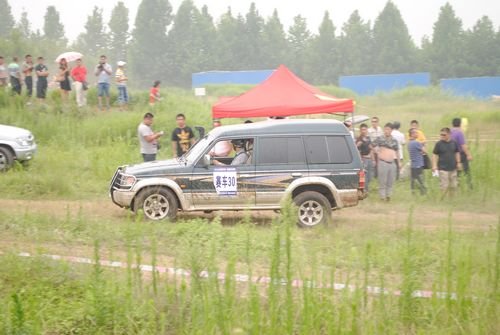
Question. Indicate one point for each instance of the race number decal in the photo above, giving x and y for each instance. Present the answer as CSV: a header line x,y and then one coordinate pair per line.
x,y
225,181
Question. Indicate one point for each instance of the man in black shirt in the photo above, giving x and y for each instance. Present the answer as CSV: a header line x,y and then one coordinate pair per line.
x,y
446,160
182,137
365,147
42,72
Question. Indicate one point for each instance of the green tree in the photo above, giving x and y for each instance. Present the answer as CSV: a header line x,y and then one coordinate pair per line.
x,y
24,25
230,47
208,37
393,48
447,47
356,46
185,45
254,24
482,51
93,41
299,38
324,55
6,19
274,43
52,27
118,30
149,41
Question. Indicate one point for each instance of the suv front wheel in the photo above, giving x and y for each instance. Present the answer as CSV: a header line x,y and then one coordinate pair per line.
x,y
313,209
6,159
157,203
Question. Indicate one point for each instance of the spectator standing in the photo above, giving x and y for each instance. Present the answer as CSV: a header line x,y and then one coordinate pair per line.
x,y
15,76
154,93
4,73
63,78
416,151
375,131
79,75
103,73
148,139
121,83
386,147
400,137
458,136
182,137
365,148
27,68
446,160
420,134
42,72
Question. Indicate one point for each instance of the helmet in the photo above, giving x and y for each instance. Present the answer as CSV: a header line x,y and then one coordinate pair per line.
x,y
238,143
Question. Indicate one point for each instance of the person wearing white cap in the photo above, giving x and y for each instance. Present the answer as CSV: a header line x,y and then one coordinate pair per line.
x,y
121,83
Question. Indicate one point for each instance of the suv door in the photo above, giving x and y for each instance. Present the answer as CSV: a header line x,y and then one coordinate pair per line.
x,y
279,161
204,180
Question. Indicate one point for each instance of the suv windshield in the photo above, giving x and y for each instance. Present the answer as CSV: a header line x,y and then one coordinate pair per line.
x,y
197,149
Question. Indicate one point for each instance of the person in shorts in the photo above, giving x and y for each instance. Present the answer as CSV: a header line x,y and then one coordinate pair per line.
x,y
103,72
42,72
63,78
446,160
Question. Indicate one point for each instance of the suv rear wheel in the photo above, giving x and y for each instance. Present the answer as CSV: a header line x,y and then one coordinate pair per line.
x,y
313,209
6,159
157,203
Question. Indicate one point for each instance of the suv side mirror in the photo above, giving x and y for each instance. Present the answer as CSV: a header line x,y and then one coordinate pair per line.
x,y
206,160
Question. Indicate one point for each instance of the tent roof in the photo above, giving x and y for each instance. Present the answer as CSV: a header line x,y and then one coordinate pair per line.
x,y
282,94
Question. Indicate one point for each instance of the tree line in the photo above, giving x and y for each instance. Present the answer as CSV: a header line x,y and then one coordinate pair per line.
x,y
171,46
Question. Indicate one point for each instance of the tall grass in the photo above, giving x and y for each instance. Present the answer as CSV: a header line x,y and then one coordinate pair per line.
x,y
92,299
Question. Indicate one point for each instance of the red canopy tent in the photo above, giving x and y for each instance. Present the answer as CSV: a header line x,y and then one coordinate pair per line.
x,y
282,94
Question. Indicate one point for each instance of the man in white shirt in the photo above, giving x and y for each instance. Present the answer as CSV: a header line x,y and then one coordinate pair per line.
x,y
148,139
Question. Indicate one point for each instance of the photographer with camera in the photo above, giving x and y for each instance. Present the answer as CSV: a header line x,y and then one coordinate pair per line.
x,y
103,72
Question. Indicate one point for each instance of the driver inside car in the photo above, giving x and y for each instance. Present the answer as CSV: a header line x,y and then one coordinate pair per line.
x,y
241,156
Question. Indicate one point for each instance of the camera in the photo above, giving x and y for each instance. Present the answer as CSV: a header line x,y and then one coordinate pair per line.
x,y
100,66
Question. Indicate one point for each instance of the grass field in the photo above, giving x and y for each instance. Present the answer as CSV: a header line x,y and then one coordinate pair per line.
x,y
59,205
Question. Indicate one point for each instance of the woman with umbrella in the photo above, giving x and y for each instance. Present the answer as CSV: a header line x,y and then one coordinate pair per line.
x,y
63,78
65,70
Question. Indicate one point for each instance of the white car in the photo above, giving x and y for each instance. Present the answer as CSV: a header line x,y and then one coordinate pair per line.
x,y
15,144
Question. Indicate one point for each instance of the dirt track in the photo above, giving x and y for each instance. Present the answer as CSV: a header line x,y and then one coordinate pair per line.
x,y
394,216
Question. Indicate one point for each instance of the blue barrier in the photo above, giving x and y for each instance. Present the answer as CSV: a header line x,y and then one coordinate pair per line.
x,y
370,84
229,77
479,87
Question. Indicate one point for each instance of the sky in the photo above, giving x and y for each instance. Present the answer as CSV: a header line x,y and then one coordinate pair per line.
x,y
419,15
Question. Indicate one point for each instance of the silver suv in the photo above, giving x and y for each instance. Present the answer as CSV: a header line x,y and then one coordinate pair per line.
x,y
15,144
314,162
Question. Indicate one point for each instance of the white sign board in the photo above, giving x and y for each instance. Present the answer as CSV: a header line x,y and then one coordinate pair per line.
x,y
200,91
226,181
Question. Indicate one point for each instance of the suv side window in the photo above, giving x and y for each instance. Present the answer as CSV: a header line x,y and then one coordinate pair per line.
x,y
338,150
327,150
281,150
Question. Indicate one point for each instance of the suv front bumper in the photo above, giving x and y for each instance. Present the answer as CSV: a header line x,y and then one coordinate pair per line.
x,y
25,153
122,198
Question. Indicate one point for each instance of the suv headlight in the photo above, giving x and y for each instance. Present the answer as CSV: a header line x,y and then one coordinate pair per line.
x,y
24,142
127,181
